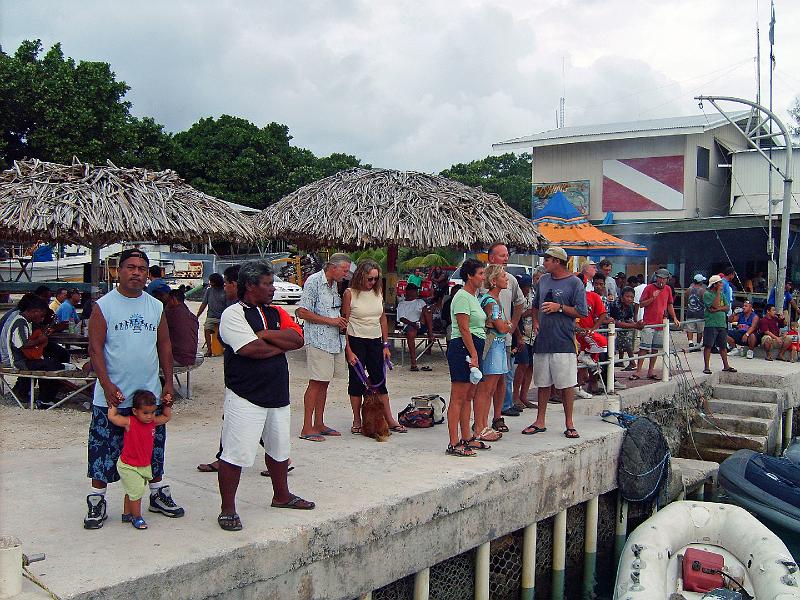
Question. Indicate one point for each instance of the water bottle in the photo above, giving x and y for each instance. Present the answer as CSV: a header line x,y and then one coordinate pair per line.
x,y
475,374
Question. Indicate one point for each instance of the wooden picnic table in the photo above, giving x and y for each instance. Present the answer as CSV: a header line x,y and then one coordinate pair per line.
x,y
69,339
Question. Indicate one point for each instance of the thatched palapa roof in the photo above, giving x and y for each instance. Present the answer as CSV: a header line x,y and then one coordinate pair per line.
x,y
360,208
90,204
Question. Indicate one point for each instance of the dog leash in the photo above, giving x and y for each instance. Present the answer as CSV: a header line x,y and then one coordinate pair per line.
x,y
362,375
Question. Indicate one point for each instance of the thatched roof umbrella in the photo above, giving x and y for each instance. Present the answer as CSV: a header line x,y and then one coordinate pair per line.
x,y
359,208
97,205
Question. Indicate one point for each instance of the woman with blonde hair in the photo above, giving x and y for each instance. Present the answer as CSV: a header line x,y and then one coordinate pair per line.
x,y
367,341
495,363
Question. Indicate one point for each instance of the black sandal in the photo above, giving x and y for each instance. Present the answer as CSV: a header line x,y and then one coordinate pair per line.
x,y
230,522
481,444
460,449
500,425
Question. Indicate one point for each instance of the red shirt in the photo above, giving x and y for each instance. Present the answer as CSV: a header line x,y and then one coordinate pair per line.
x,y
654,312
771,324
596,308
137,443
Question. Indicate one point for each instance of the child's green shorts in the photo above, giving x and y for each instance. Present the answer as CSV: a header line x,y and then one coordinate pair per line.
x,y
134,479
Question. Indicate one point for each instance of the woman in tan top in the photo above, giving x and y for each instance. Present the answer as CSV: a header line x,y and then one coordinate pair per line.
x,y
367,340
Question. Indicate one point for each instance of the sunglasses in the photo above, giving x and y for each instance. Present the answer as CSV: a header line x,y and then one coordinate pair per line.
x,y
372,279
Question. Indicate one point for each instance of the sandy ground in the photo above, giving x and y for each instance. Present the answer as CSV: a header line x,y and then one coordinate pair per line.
x,y
67,427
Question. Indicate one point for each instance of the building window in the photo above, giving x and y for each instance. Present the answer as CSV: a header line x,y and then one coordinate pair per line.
x,y
703,159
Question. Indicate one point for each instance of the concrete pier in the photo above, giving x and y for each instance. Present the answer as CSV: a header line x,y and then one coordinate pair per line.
x,y
384,511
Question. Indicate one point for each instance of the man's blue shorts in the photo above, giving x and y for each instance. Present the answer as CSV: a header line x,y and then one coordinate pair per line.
x,y
105,446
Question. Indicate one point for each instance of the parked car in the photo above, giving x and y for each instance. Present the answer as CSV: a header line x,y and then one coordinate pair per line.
x,y
286,292
512,269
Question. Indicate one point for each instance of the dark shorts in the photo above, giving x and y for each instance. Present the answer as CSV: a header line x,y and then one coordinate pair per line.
x,y
737,334
624,341
524,356
715,337
105,446
457,358
423,328
370,353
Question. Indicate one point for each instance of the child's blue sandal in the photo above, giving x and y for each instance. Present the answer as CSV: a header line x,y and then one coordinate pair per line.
x,y
138,523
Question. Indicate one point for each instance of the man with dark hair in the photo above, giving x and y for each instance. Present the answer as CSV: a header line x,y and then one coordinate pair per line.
x,y
771,337
20,335
213,298
415,315
789,303
183,327
656,300
156,281
560,299
715,333
727,275
67,312
44,293
256,338
229,278
605,267
321,309
128,342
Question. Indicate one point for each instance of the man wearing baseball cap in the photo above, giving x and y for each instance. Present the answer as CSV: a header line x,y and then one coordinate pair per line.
x,y
657,299
560,298
715,334
128,341
695,311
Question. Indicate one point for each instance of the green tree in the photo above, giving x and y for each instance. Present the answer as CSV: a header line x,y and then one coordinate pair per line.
x,y
507,175
794,112
53,108
234,159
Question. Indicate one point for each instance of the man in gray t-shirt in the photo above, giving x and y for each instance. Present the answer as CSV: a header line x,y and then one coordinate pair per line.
x,y
560,299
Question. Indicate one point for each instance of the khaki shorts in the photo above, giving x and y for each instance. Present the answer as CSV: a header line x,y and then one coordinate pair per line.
x,y
694,327
134,479
651,339
558,369
773,342
324,366
211,324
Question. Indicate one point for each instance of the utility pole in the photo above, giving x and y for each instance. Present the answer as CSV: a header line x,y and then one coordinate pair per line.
x,y
759,118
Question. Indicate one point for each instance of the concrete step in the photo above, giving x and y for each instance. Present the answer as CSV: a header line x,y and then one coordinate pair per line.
x,y
713,438
763,410
746,393
716,454
736,423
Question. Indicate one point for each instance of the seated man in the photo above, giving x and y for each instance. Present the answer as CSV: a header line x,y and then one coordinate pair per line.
x,y
745,330
183,327
770,327
416,317
67,312
26,347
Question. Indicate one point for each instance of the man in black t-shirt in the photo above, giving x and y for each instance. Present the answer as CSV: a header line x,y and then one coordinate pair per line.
x,y
256,337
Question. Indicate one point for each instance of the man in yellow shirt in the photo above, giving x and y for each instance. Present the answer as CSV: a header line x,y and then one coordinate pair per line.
x,y
61,295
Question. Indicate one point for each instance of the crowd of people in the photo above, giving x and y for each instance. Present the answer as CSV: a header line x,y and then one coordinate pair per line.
x,y
505,334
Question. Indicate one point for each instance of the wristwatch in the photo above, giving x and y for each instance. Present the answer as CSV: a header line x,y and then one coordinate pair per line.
x,y
561,308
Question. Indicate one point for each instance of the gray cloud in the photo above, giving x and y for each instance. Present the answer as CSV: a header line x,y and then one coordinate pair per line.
x,y
408,84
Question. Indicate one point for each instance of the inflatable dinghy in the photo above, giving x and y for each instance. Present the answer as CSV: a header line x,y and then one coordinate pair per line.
x,y
692,550
765,485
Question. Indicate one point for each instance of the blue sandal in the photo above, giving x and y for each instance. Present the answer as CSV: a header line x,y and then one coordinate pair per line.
x,y
138,522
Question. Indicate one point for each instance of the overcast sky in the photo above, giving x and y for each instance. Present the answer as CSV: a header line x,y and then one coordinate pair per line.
x,y
418,85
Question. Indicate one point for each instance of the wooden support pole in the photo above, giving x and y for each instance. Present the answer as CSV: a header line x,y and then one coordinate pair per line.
x,y
528,562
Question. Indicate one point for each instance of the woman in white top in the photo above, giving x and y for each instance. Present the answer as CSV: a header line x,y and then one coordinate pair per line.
x,y
367,340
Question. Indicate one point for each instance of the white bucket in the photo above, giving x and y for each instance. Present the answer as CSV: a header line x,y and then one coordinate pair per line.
x,y
10,566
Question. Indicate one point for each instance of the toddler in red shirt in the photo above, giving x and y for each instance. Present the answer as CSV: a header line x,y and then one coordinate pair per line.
x,y
137,450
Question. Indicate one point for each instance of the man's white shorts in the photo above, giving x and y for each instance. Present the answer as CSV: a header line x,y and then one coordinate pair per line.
x,y
324,366
245,423
559,369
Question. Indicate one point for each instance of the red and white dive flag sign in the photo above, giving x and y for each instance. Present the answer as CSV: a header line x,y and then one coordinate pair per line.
x,y
639,184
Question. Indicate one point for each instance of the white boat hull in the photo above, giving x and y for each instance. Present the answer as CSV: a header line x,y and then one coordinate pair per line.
x,y
747,545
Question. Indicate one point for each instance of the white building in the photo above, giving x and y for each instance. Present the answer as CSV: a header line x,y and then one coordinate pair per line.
x,y
750,185
641,170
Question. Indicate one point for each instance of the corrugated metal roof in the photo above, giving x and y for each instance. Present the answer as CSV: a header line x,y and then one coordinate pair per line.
x,y
619,131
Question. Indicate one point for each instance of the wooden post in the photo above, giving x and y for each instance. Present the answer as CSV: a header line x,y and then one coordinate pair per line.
x,y
665,357
422,584
528,562
482,572
559,554
621,527
590,547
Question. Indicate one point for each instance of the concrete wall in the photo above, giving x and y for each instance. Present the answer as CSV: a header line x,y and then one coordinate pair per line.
x,y
584,161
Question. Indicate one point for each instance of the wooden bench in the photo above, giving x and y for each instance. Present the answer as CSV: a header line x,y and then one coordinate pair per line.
x,y
420,342
66,375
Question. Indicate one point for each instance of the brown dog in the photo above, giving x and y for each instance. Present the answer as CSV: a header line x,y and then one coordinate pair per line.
x,y
373,423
